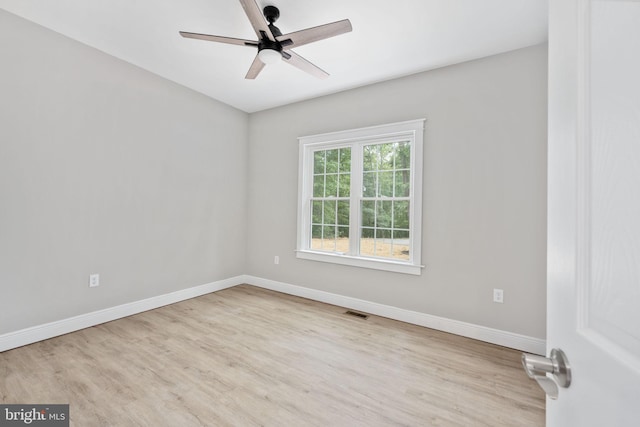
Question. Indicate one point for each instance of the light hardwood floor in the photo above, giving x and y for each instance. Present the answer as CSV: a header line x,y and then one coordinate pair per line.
x,y
246,356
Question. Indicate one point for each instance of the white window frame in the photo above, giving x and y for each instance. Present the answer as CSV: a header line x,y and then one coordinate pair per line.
x,y
356,138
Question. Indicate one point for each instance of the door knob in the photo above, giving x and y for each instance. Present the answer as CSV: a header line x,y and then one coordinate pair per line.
x,y
537,368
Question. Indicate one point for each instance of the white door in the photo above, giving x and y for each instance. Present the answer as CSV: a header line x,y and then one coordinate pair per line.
x,y
593,287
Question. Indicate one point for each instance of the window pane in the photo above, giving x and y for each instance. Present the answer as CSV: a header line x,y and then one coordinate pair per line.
x,y
329,212
369,184
368,213
383,234
383,243
318,186
400,252
332,161
342,241
370,158
345,160
344,185
331,189
385,222
316,212
385,184
325,238
401,244
328,232
403,155
401,183
386,156
316,237
318,162
343,213
378,246
367,242
383,213
401,214
401,235
368,233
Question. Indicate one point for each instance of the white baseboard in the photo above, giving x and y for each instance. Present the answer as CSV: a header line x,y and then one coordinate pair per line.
x,y
49,330
53,329
482,333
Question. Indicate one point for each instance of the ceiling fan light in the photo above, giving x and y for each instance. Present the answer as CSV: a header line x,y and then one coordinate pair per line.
x,y
269,56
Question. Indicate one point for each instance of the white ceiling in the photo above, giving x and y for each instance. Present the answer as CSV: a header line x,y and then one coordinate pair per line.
x,y
389,39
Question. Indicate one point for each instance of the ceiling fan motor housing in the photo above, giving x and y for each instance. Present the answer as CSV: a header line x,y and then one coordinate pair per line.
x,y
271,13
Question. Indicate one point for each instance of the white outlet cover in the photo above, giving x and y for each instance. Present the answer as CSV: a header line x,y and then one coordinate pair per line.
x,y
94,280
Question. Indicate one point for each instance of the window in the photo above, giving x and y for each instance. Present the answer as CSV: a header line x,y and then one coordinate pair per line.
x,y
360,197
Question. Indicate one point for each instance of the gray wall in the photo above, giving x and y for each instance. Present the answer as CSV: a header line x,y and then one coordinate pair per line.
x,y
484,212
106,168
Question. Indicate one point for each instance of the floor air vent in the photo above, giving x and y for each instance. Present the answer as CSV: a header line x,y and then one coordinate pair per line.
x,y
356,314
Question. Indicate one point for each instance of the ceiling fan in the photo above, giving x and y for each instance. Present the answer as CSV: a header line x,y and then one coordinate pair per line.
x,y
272,44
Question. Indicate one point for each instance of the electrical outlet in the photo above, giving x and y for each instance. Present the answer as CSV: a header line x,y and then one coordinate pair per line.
x,y
94,280
276,260
498,296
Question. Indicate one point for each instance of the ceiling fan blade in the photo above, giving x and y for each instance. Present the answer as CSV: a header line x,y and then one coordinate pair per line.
x,y
256,18
301,63
220,39
320,32
255,69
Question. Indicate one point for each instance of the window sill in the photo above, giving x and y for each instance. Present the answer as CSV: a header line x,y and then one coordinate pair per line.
x,y
375,264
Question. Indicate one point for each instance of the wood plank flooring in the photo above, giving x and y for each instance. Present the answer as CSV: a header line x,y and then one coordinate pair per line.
x,y
246,356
